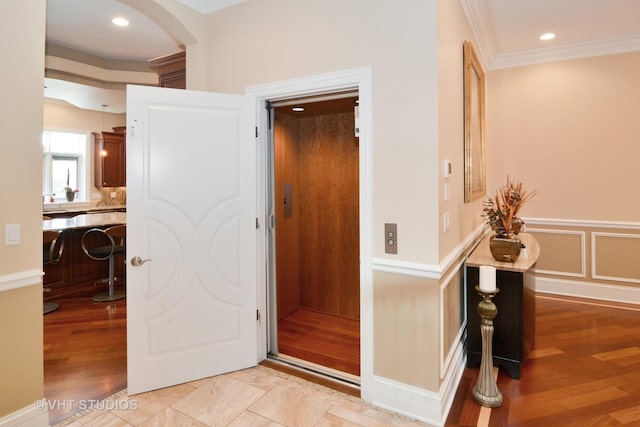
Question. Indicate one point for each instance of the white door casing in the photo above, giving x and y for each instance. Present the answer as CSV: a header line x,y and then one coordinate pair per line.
x,y
359,79
191,211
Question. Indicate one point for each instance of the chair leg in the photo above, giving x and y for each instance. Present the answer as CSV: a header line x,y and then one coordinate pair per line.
x,y
111,294
48,307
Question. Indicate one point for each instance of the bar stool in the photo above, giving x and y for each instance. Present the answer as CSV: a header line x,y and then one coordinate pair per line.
x,y
52,247
112,244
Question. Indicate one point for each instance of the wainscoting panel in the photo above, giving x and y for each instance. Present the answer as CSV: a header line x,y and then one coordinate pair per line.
x,y
589,259
564,252
616,257
452,316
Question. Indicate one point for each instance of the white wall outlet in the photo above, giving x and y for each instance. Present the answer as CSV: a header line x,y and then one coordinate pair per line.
x,y
446,221
446,191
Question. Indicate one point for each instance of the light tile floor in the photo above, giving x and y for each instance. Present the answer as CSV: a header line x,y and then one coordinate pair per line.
x,y
252,397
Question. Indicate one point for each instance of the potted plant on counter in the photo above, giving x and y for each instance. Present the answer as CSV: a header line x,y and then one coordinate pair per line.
x,y
501,214
70,193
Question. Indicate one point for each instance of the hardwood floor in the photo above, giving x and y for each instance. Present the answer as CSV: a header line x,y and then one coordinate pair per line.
x,y
584,370
323,339
85,353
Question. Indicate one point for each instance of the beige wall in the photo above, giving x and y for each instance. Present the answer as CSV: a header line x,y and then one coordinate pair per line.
x,y
406,319
453,30
21,354
21,121
417,325
570,130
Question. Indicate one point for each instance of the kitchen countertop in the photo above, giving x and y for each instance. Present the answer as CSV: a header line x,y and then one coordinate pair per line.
x,y
85,221
58,208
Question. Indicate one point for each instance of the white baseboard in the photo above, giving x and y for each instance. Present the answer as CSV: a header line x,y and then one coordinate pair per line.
x,y
575,288
35,415
418,403
407,400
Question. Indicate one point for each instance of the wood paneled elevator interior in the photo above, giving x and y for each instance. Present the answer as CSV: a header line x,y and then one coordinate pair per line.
x,y
317,238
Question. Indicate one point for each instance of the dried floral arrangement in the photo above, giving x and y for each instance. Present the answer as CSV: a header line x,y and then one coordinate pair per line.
x,y
501,212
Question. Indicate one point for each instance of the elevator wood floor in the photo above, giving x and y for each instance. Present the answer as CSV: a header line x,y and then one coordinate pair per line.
x,y
584,370
323,339
85,354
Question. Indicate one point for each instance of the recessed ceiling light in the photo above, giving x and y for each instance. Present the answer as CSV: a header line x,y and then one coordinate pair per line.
x,y
120,22
547,36
297,109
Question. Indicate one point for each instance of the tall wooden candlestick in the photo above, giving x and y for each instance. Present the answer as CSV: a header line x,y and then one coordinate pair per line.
x,y
486,391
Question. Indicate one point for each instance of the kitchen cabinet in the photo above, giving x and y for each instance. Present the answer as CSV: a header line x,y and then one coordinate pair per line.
x,y
109,150
75,268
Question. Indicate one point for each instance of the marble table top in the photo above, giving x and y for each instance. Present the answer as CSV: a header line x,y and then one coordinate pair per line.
x,y
481,255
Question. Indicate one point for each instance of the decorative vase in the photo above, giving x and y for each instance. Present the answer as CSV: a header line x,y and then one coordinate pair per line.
x,y
505,247
517,224
70,196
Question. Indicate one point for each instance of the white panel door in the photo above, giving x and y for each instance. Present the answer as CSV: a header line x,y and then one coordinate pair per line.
x,y
191,209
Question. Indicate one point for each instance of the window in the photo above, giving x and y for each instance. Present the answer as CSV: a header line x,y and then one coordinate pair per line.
x,y
64,165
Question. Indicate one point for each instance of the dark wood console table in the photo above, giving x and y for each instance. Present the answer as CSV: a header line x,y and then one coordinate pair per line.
x,y
514,327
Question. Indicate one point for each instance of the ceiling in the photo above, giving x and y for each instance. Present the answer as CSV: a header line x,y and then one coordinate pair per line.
x,y
508,30
86,26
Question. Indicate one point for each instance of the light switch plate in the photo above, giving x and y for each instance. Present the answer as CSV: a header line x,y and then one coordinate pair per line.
x,y
12,234
446,169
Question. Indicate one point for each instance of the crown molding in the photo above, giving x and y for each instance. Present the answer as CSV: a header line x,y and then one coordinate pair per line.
x,y
567,52
57,51
481,20
58,65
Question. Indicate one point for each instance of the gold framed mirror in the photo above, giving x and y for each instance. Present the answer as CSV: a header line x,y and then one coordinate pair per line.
x,y
474,141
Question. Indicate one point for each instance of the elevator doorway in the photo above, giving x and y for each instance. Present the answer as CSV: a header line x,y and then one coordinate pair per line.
x,y
315,259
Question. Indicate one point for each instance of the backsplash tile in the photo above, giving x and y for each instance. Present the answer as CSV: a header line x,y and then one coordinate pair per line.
x,y
107,200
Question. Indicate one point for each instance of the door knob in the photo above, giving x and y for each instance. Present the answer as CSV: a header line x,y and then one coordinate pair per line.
x,y
136,261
